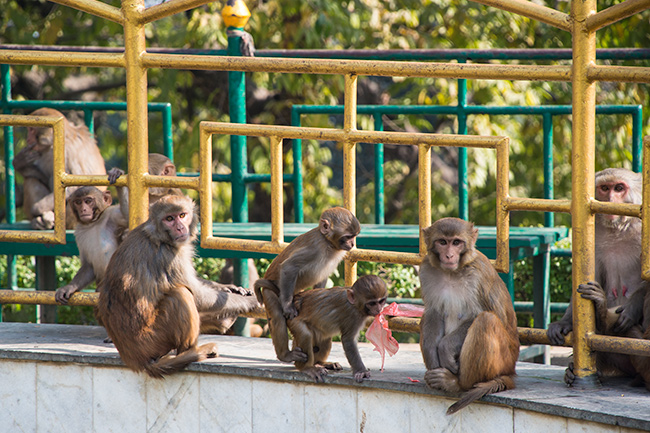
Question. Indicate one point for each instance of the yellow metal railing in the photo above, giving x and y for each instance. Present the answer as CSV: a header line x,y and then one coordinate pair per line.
x,y
583,21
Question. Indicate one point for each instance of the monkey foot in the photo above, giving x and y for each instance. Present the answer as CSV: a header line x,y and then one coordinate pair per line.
x,y
317,373
295,355
335,366
441,378
360,375
210,350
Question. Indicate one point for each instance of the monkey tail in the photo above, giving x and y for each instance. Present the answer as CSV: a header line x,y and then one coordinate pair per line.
x,y
499,383
263,283
169,364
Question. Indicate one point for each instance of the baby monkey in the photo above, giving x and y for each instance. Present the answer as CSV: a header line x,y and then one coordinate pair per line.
x,y
324,313
306,262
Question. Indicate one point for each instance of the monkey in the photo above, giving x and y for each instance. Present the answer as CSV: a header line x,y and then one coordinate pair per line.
x,y
99,230
607,364
618,254
160,165
324,313
150,297
307,261
468,332
35,163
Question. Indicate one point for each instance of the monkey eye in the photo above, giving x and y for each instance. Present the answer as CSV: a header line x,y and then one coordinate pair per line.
x,y
77,202
89,200
182,215
604,188
619,187
169,218
457,242
442,241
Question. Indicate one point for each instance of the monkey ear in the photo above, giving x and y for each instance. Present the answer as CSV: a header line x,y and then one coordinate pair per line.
x,y
325,227
351,298
168,170
475,235
108,198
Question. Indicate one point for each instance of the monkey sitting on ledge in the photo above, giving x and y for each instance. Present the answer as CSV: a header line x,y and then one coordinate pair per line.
x,y
323,313
468,332
150,297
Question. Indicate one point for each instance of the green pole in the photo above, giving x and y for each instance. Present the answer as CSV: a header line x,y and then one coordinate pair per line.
x,y
549,217
380,217
463,199
10,175
237,106
637,128
298,199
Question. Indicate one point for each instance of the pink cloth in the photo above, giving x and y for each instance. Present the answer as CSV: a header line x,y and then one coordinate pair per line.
x,y
379,333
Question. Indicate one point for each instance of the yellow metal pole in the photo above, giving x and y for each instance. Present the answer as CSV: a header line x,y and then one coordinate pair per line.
x,y
584,111
277,195
645,216
502,263
205,183
136,112
349,162
424,192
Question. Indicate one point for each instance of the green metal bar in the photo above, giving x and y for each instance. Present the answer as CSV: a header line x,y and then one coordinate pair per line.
x,y
463,187
379,174
239,165
10,174
637,138
549,217
298,197
89,120
168,141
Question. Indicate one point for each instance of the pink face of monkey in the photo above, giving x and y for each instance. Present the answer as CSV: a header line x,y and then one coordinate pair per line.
x,y
177,225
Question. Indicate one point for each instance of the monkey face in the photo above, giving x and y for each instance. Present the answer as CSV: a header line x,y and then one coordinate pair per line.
x,y
346,243
615,191
177,225
85,208
374,306
449,251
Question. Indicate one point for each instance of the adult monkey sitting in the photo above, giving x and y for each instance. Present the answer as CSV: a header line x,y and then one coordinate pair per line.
x,y
468,332
618,254
150,297
35,163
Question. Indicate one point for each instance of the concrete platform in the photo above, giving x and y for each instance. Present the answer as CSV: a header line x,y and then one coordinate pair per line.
x,y
64,378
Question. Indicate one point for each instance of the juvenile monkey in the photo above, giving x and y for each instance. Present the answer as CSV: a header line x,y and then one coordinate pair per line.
x,y
35,163
618,254
160,165
99,230
307,261
468,332
150,297
324,313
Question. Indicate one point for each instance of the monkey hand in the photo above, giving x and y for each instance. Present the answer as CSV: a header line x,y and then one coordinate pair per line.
x,y
335,366
441,378
557,330
569,375
63,293
113,174
595,293
289,311
360,375
317,373
448,353
628,317
44,221
231,288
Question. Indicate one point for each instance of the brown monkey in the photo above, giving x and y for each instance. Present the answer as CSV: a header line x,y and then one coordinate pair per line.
x,y
607,322
160,165
35,163
468,332
618,254
150,297
307,261
99,230
324,313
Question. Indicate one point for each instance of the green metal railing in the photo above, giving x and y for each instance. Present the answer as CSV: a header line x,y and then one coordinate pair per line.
x,y
462,111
